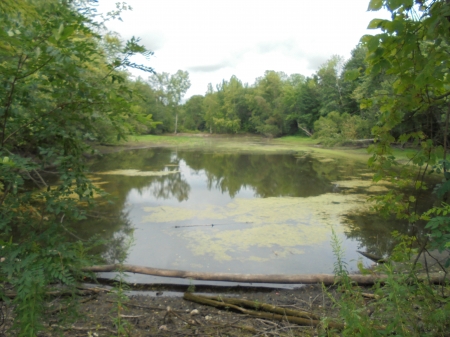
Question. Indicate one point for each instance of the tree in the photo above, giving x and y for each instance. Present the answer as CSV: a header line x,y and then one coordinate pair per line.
x,y
356,65
329,85
232,93
413,48
194,113
144,104
57,84
211,107
338,128
301,103
172,89
266,105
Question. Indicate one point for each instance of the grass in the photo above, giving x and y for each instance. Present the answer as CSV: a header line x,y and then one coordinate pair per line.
x,y
192,139
404,155
298,140
167,139
242,143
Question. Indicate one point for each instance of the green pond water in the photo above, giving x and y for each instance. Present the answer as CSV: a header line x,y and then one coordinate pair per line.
x,y
237,212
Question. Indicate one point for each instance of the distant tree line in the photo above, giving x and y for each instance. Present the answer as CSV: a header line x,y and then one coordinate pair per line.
x,y
340,102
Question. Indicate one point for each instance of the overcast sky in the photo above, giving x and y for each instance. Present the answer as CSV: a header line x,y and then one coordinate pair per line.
x,y
214,40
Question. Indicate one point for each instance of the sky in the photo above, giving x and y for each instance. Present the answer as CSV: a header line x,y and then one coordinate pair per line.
x,y
214,40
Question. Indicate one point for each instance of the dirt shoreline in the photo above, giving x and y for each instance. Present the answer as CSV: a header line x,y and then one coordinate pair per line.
x,y
161,315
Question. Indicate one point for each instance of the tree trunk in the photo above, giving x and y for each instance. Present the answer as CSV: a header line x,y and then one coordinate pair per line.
x,y
304,129
176,122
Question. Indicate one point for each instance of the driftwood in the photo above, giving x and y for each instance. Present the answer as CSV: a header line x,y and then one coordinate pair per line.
x,y
327,279
266,315
264,307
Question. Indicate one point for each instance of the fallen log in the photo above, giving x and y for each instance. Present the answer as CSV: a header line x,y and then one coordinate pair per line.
x,y
264,307
327,279
260,314
374,258
305,130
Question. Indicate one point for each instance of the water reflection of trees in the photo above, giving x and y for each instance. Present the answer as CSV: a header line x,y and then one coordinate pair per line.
x,y
113,226
117,247
267,174
109,217
170,186
374,232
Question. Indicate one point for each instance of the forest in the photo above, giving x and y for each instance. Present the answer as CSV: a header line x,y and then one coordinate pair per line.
x,y
276,104
66,85
341,102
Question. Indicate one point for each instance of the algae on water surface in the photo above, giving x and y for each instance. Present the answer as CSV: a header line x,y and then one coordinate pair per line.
x,y
282,225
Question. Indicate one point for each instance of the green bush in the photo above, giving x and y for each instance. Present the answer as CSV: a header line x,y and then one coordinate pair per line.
x,y
338,128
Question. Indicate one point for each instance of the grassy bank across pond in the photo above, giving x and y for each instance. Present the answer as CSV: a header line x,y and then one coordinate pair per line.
x,y
249,143
243,143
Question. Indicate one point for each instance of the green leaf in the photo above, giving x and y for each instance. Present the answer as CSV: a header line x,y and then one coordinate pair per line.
x,y
444,188
67,32
373,43
421,79
375,23
375,5
351,75
394,4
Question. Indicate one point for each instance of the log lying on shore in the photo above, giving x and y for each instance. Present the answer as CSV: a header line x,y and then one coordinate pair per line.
x,y
326,279
271,312
264,307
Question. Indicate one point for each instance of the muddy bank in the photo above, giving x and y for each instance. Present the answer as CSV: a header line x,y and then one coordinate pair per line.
x,y
156,314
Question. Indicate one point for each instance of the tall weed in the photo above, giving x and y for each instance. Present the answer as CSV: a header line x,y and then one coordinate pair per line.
x,y
404,304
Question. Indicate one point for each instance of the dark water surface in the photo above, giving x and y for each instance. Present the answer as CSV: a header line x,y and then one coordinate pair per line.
x,y
202,210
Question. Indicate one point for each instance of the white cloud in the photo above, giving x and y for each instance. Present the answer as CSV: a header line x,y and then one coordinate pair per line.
x,y
214,40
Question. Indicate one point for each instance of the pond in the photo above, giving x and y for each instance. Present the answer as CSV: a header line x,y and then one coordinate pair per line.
x,y
237,211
